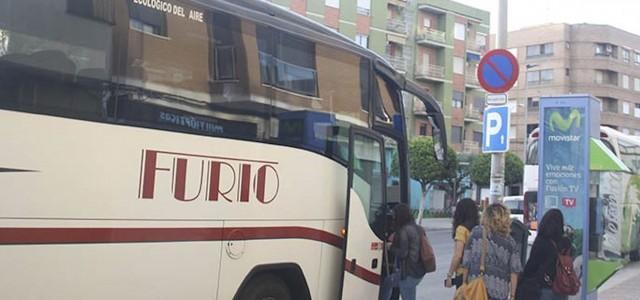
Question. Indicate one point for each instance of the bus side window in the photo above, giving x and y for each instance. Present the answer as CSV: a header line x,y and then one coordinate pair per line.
x,y
368,181
387,104
319,122
43,71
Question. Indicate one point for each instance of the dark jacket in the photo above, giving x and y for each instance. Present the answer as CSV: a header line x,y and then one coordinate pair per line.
x,y
540,270
406,249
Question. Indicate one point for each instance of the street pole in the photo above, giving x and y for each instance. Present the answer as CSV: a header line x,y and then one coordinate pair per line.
x,y
496,187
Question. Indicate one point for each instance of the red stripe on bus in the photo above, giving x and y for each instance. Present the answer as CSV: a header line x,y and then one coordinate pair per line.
x,y
22,236
17,235
361,272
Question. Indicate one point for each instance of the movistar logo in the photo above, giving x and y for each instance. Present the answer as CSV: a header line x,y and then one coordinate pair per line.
x,y
556,121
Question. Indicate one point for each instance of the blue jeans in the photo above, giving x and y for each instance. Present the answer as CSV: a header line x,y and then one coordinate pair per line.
x,y
407,286
548,294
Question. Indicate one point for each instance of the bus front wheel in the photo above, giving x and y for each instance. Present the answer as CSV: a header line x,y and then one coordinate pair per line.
x,y
266,287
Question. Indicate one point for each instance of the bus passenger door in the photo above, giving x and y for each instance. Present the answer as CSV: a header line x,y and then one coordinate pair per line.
x,y
365,215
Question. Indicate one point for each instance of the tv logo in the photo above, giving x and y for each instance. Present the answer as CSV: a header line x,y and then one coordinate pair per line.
x,y
569,202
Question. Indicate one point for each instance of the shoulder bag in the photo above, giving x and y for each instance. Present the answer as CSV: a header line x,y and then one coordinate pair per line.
x,y
476,289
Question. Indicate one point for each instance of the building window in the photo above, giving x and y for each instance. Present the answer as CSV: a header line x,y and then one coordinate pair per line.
x,y
533,103
625,81
477,137
426,22
423,129
225,63
606,49
609,104
606,77
101,10
456,134
636,84
147,20
636,57
364,7
458,65
626,55
459,31
458,99
362,40
287,62
540,50
481,41
625,107
513,106
332,3
540,77
513,132
636,111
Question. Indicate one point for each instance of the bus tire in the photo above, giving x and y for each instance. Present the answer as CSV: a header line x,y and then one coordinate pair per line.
x,y
265,286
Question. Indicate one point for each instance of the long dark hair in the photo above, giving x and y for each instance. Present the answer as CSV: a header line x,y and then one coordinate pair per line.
x,y
402,216
466,215
551,226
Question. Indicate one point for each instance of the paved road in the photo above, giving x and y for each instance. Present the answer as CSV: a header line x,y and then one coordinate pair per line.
x,y
432,286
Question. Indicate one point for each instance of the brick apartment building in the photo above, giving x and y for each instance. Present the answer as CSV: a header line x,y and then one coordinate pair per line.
x,y
600,60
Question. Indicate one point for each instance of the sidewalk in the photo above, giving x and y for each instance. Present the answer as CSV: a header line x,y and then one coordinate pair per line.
x,y
623,285
436,224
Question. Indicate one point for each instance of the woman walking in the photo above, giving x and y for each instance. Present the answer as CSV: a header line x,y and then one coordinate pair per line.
x,y
540,270
464,219
502,262
405,248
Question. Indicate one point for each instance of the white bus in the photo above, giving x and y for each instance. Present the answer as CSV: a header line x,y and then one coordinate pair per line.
x,y
618,203
184,149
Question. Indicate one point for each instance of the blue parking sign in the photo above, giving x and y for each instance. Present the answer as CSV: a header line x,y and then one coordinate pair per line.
x,y
495,129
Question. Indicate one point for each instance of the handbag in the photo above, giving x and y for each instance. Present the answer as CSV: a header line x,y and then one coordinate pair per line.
x,y
476,289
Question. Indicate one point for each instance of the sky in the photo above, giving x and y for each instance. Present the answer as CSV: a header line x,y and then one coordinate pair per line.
x,y
523,13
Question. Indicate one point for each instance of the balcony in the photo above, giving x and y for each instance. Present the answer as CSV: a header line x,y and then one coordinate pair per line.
x,y
430,73
431,36
471,147
398,62
471,80
473,47
472,113
400,3
397,25
419,108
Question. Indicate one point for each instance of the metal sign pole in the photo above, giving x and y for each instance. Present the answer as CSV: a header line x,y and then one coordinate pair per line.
x,y
496,188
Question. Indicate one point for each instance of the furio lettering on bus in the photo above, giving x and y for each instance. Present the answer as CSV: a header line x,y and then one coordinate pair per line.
x,y
189,177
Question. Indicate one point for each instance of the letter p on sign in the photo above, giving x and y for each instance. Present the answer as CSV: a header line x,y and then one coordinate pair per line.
x,y
494,123
496,129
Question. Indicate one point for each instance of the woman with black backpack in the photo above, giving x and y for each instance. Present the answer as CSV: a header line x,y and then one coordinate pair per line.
x,y
540,271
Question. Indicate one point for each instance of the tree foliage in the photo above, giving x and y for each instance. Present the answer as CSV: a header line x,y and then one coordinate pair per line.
x,y
423,165
514,171
481,169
